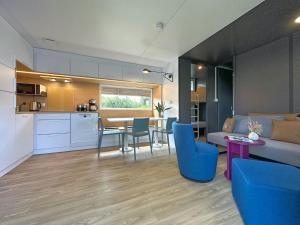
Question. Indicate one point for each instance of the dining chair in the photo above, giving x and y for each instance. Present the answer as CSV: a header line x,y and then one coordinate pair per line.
x,y
168,130
106,131
140,128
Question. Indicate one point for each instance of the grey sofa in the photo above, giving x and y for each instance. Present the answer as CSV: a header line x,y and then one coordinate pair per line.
x,y
284,152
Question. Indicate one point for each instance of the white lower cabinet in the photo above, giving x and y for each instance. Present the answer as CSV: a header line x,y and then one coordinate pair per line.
x,y
24,135
51,132
84,130
50,141
59,132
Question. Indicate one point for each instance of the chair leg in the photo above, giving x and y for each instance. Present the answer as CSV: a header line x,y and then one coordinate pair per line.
x,y
153,136
119,135
133,138
168,143
162,138
123,137
150,143
138,142
99,145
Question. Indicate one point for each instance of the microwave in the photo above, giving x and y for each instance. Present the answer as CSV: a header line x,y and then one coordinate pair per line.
x,y
31,89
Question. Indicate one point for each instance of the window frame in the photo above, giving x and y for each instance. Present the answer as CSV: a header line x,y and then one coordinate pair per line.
x,y
125,87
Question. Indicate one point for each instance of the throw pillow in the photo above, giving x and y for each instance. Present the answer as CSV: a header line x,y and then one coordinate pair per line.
x,y
288,131
228,125
241,124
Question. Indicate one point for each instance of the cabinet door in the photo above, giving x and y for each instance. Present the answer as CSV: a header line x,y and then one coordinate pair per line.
x,y
133,72
110,70
7,77
51,61
84,129
7,130
48,141
84,66
24,135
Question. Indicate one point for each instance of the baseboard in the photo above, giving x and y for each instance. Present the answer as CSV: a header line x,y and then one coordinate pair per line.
x,y
14,165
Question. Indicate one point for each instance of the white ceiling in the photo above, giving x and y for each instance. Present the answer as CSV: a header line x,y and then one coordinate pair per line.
x,y
122,29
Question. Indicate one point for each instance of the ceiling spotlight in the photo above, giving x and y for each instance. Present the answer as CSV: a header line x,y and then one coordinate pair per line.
x,y
160,26
168,76
67,81
297,20
52,79
200,67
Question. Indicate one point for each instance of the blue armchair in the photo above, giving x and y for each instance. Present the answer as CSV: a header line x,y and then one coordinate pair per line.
x,y
196,160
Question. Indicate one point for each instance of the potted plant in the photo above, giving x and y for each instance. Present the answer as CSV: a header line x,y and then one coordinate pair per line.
x,y
161,108
255,130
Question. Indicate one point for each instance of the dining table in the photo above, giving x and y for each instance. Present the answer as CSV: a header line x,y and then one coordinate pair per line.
x,y
126,120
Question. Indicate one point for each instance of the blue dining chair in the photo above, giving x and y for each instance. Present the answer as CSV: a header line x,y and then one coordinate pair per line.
x,y
140,128
196,160
168,130
105,132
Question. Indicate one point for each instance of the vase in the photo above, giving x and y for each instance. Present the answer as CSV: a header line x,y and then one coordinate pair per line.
x,y
253,136
160,114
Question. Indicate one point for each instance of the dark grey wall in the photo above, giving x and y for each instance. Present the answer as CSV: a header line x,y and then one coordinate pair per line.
x,y
263,78
184,89
296,72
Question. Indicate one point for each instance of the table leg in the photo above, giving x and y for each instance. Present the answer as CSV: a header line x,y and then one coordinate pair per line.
x,y
227,172
126,147
156,144
244,152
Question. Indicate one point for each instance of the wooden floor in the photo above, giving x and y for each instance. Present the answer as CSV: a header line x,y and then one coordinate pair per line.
x,y
77,188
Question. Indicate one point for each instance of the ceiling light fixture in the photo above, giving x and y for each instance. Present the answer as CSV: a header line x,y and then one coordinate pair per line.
x,y
168,76
52,79
67,81
297,20
200,67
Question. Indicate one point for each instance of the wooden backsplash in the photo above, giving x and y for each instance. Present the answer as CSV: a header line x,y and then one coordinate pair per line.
x,y
64,97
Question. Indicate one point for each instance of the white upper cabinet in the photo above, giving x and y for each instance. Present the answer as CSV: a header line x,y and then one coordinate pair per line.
x,y
7,77
153,77
51,61
133,72
109,69
84,66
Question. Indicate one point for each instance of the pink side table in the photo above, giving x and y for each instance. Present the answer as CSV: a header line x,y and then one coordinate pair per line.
x,y
240,148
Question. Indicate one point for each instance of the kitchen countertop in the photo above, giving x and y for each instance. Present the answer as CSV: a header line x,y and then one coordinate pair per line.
x,y
37,112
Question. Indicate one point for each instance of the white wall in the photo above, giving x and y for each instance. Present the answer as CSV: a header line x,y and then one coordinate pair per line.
x,y
170,94
170,90
13,46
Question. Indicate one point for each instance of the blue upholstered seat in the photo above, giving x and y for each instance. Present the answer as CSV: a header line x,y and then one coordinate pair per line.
x,y
196,160
266,193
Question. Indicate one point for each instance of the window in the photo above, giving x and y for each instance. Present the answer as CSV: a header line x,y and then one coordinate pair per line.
x,y
116,97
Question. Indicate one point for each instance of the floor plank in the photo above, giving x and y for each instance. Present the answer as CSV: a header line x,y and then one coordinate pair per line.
x,y
77,188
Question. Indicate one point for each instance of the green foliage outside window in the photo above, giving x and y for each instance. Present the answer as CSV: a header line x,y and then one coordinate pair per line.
x,y
125,102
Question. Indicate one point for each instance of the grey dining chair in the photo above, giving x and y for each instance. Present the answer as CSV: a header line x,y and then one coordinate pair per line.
x,y
168,130
103,132
140,128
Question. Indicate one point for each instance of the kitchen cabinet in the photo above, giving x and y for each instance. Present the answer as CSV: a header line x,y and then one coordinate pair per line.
x,y
7,79
7,130
84,130
109,69
23,135
51,61
133,72
84,66
51,132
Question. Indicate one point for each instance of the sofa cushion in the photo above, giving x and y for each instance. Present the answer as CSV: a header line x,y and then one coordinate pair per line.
x,y
279,151
275,150
241,124
288,131
228,125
